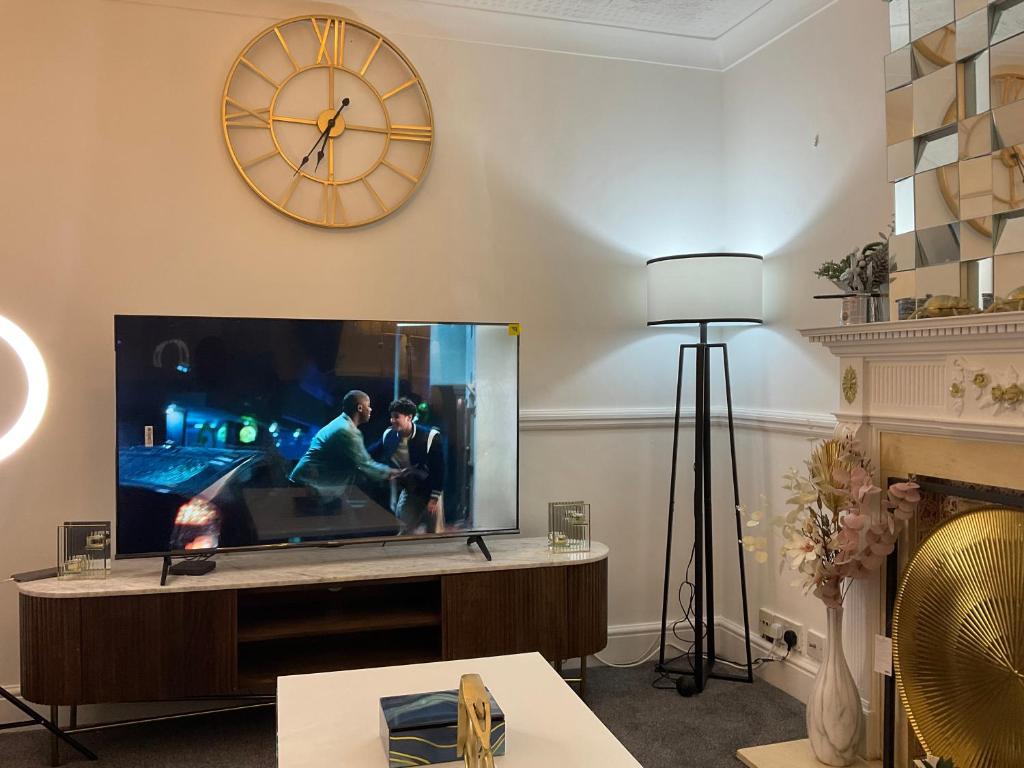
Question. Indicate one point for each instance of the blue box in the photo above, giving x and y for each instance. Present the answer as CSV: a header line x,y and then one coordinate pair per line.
x,y
422,728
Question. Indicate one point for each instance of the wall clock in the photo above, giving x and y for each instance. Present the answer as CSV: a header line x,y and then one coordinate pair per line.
x,y
327,121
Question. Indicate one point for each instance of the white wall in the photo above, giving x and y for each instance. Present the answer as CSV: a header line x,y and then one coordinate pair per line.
x,y
553,178
800,205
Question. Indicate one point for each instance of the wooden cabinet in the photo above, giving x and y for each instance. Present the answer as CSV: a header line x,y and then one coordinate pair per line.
x,y
181,644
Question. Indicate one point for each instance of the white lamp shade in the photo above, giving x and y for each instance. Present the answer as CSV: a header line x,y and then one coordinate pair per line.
x,y
704,288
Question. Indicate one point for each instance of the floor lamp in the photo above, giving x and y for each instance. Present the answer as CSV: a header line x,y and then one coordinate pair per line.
x,y
703,289
11,441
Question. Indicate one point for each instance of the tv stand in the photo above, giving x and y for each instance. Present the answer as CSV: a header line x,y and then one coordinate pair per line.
x,y
262,615
479,541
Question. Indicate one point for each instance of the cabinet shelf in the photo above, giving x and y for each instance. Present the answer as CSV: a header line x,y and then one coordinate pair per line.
x,y
335,623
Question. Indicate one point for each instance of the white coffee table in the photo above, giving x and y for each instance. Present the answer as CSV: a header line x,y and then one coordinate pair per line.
x,y
332,718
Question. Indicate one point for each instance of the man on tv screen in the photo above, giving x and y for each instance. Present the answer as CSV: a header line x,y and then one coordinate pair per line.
x,y
418,451
337,458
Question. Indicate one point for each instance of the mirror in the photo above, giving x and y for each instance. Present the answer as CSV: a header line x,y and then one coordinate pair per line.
x,y
1007,20
975,136
967,7
938,245
1007,180
902,294
937,197
934,100
976,283
976,239
937,149
1008,233
898,68
901,160
1008,125
935,51
1008,273
943,280
904,206
928,15
899,114
1007,71
975,188
903,251
972,34
899,24
974,95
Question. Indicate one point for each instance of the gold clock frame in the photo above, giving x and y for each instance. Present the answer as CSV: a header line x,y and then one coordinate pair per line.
x,y
232,111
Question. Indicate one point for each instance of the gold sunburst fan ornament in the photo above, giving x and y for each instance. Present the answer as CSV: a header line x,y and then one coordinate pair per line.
x,y
958,639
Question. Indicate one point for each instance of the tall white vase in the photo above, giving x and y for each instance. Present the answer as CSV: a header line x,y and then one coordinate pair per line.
x,y
835,721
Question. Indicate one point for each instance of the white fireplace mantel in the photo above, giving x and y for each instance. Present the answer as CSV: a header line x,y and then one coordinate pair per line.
x,y
918,375
1002,331
935,377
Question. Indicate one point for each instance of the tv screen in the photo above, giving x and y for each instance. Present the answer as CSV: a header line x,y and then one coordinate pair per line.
x,y
244,433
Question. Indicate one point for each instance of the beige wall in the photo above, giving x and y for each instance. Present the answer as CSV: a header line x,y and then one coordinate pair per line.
x,y
554,177
800,205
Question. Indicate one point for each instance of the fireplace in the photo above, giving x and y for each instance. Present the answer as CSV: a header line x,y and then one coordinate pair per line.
x,y
925,398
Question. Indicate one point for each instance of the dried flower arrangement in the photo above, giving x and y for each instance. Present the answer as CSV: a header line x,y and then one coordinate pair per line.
x,y
862,270
835,531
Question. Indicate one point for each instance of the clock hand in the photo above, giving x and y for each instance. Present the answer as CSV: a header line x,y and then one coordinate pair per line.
x,y
321,141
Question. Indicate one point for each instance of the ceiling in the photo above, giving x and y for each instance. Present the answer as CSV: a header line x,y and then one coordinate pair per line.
x,y
704,19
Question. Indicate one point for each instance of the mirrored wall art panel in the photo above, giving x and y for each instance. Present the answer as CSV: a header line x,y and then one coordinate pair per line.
x,y
972,34
938,245
937,197
899,114
903,206
1007,180
899,24
898,68
975,136
1008,233
1007,20
974,94
1007,71
1008,274
901,160
1008,125
903,251
976,188
976,239
943,280
976,283
928,15
937,149
935,51
967,7
934,100
902,286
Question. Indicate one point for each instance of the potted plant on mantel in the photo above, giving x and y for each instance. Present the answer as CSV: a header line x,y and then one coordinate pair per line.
x,y
861,275
837,531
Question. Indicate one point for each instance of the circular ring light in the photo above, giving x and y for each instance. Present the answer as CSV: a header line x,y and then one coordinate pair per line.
x,y
38,387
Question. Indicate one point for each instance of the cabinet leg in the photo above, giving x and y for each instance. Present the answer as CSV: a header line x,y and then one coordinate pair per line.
x,y
73,716
583,676
54,741
558,666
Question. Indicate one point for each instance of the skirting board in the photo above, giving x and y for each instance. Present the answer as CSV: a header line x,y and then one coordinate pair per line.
x,y
795,676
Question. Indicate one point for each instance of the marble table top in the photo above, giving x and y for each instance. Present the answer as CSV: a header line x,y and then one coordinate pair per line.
x,y
314,565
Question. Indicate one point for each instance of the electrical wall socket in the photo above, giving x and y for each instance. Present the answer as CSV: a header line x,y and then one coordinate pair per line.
x,y
765,620
815,646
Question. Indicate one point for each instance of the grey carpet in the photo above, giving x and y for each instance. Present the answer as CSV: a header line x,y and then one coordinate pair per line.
x,y
659,727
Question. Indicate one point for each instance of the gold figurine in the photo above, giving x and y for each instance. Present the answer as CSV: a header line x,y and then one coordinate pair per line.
x,y
474,734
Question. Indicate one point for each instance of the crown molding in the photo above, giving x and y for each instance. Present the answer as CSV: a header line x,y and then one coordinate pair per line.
x,y
430,19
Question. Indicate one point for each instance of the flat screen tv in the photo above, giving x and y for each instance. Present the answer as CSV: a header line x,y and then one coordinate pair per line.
x,y
245,433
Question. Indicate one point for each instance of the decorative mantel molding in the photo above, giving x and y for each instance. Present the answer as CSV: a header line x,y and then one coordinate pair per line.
x,y
1003,331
